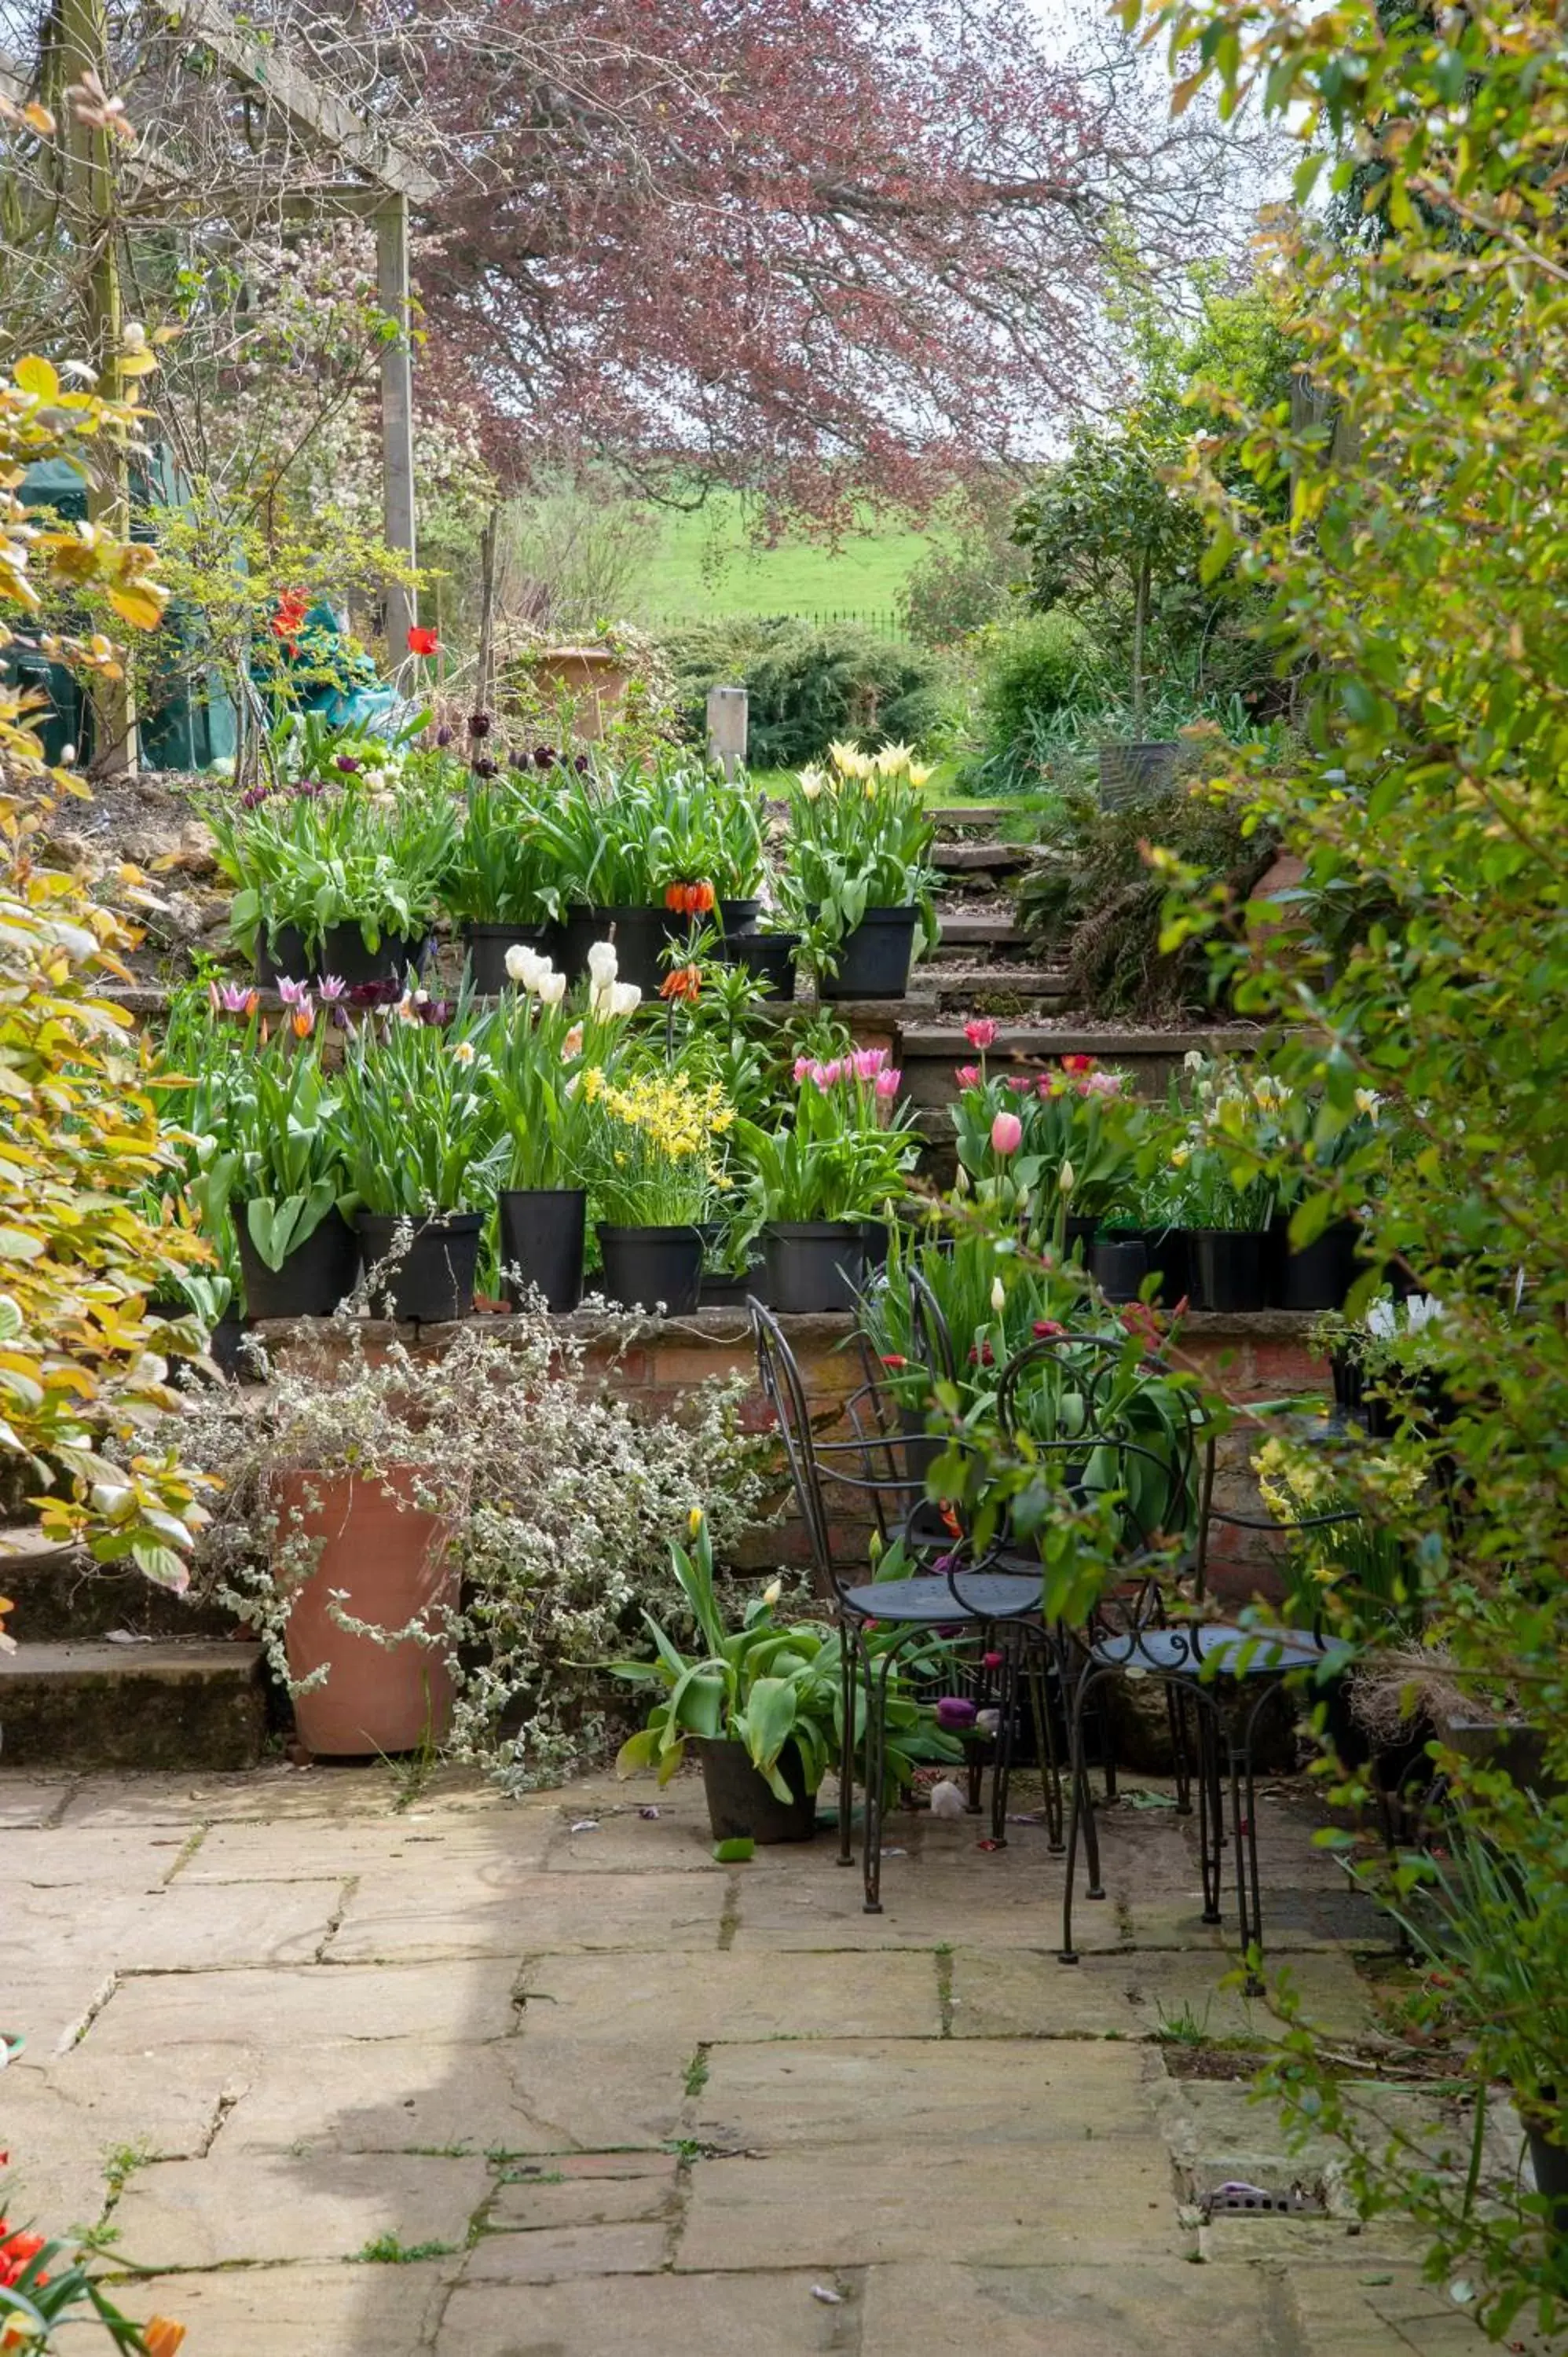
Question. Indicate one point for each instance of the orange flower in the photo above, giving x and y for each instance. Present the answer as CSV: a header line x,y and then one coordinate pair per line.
x,y
702,898
685,982
161,2336
302,1022
688,899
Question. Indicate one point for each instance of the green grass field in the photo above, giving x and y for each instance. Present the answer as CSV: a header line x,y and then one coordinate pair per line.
x,y
707,566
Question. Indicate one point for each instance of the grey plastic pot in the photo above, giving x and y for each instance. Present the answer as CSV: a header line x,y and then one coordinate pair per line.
x,y
814,1264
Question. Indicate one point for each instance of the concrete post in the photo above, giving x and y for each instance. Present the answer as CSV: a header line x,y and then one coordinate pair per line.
x,y
727,727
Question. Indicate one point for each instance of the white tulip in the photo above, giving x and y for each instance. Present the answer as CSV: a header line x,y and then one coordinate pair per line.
x,y
773,1591
551,987
998,1295
603,965
624,996
524,965
1065,1181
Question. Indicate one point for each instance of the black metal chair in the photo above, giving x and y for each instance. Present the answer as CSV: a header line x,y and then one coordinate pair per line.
x,y
1134,1631
955,1594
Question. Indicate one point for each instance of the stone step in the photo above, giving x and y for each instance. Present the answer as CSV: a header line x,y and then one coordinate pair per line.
x,y
177,1702
60,1594
929,1053
968,818
954,858
999,990
979,929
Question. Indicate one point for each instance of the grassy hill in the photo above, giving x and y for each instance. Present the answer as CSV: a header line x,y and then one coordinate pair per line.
x,y
706,566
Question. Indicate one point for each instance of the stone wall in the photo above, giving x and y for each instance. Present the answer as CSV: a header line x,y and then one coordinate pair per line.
x,y
659,1363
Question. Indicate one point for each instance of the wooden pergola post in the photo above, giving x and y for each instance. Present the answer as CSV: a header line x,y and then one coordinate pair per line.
x,y
397,417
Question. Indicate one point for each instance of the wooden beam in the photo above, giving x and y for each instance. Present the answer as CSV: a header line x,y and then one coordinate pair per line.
x,y
309,107
397,417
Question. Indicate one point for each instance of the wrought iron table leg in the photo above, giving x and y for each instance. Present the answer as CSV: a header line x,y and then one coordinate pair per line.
x,y
849,1681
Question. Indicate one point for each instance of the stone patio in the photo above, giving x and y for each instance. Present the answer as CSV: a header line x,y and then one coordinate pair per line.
x,y
362,2075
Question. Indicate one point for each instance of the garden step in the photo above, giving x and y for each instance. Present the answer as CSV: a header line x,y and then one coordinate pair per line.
x,y
59,1594
999,990
971,858
975,929
178,1703
930,1052
969,818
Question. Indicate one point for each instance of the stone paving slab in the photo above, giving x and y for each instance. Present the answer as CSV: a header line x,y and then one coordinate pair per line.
x,y
337,2311
1116,2310
894,2090
588,1998
258,2206
420,1842
461,2003
490,1909
1024,1995
1101,2202
772,2314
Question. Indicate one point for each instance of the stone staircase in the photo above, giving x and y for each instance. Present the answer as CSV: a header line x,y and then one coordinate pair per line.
x,y
111,1671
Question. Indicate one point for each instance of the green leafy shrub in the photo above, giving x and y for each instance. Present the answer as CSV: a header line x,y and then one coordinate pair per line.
x,y
807,685
1092,901
1035,674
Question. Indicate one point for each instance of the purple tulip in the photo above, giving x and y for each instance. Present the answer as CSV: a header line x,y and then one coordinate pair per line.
x,y
478,724
544,757
347,763
373,994
955,1713
444,735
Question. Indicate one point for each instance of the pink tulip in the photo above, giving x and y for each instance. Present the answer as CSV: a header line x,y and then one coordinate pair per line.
x,y
802,1067
868,1062
981,1032
1007,1133
887,1081
968,1076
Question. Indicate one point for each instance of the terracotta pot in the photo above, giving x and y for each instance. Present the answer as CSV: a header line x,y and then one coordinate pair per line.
x,y
395,1565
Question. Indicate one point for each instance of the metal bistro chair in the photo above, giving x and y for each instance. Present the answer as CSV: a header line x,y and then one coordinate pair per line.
x,y
953,1594
1132,1634
1027,1654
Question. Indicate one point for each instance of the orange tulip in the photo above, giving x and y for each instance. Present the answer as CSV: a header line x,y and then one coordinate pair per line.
x,y
161,2337
302,1022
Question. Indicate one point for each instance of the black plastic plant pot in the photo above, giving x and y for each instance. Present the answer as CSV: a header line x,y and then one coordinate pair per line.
x,y
1078,1234
645,1266
733,1289
742,1804
487,946
343,952
814,1264
1319,1275
640,937
1232,1268
737,916
874,958
1548,2161
1171,1254
543,1232
1119,1264
281,956
876,1235
769,956
433,1281
316,1278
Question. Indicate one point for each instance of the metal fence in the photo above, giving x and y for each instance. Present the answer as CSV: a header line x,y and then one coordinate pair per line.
x,y
884,621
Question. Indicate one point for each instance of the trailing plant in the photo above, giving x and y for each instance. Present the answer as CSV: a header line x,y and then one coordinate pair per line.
x,y
562,1495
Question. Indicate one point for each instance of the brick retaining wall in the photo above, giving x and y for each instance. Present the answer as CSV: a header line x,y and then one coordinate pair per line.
x,y
657,1365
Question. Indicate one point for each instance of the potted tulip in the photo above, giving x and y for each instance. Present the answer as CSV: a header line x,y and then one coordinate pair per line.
x,y
764,1705
420,1135
651,1153
541,1048
859,876
815,1185
499,883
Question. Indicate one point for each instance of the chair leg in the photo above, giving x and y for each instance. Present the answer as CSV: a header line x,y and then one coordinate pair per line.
x,y
1081,1813
876,1773
1175,1712
1210,1805
1040,1660
848,1683
976,1772
1244,1793
1002,1773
